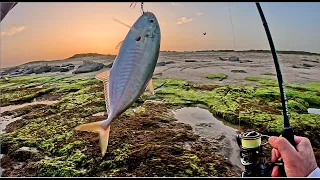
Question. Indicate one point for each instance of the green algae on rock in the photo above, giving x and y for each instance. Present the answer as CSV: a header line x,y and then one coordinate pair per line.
x,y
220,76
148,135
145,140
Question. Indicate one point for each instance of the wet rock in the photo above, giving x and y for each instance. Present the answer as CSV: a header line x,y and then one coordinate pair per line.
x,y
66,69
245,61
42,69
29,70
238,71
300,67
88,66
170,62
55,69
67,65
14,73
161,64
2,73
25,153
307,60
12,69
109,65
234,59
59,69
222,59
190,60
307,65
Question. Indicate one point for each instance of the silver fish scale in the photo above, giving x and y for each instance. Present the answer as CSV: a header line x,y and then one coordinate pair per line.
x,y
128,70
125,74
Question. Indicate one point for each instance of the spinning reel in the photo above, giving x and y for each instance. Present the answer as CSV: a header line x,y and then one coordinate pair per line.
x,y
251,155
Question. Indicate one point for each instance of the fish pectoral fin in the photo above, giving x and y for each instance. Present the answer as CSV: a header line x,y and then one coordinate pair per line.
x,y
150,86
135,31
104,76
97,128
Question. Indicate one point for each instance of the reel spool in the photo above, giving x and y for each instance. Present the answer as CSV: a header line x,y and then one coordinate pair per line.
x,y
251,155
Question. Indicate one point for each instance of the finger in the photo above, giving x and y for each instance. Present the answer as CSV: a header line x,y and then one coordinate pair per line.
x,y
287,151
275,155
298,139
275,172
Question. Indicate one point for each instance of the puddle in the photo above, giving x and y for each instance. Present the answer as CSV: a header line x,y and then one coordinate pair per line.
x,y
313,111
98,114
13,107
5,120
207,126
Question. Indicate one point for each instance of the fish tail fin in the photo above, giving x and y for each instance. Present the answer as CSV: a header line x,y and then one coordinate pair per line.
x,y
97,128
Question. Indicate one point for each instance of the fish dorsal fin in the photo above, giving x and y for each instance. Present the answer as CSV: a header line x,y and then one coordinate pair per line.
x,y
119,44
104,77
150,86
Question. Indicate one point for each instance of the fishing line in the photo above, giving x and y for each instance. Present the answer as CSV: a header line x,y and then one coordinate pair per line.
x,y
235,48
234,39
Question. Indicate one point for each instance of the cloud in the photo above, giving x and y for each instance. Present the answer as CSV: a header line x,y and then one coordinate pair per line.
x,y
12,31
200,13
184,20
175,4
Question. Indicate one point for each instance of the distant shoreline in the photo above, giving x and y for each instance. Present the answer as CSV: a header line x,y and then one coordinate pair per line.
x,y
261,51
167,51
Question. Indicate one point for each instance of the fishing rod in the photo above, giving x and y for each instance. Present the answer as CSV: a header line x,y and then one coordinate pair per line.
x,y
251,155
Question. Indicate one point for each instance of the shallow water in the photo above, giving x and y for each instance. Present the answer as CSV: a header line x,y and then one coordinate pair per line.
x,y
5,120
313,111
207,126
13,107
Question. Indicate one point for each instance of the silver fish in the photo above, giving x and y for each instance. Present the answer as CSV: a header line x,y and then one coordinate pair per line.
x,y
130,75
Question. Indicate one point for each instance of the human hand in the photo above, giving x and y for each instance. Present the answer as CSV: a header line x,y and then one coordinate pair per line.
x,y
299,162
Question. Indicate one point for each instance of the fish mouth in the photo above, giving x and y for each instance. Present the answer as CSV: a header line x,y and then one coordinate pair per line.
x,y
149,34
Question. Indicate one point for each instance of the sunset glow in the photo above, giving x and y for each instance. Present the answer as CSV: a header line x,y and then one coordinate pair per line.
x,y
49,31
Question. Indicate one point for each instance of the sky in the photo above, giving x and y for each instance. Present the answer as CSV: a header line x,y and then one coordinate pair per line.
x,y
34,31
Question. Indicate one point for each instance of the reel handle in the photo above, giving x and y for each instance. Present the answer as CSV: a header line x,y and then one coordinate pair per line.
x,y
289,135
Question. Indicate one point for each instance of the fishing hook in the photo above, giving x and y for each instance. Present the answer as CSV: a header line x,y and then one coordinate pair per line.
x,y
142,8
135,6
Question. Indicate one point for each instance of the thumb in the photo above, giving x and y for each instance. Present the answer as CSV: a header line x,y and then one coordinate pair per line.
x,y
287,151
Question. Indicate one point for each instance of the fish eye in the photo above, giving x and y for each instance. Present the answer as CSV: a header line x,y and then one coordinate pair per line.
x,y
151,20
138,38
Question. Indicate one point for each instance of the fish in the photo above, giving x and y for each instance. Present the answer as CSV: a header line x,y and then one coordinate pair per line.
x,y
130,74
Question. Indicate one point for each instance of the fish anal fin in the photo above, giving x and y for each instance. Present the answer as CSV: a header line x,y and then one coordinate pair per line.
x,y
150,86
97,128
104,76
